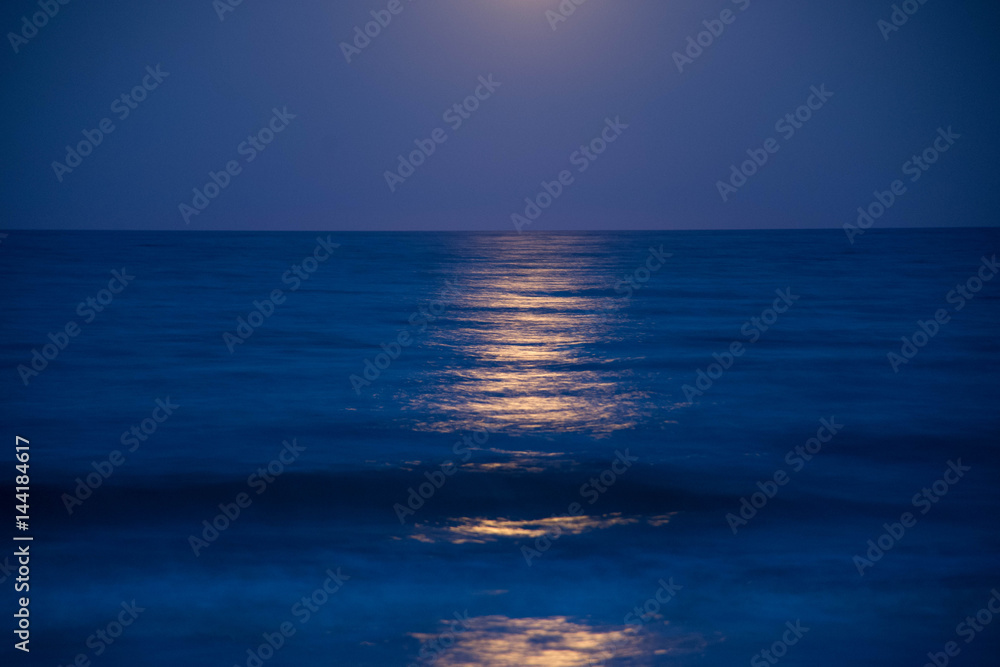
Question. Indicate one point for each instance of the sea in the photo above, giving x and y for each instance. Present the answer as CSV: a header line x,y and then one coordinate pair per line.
x,y
678,448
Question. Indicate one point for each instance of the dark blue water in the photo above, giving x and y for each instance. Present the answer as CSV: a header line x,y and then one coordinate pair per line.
x,y
561,383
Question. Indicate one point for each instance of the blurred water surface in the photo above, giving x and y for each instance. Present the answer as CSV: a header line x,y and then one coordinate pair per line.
x,y
533,367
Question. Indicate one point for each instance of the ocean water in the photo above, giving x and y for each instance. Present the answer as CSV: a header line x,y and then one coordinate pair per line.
x,y
584,444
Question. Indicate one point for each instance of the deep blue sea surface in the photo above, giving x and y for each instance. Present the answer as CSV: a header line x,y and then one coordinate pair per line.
x,y
599,434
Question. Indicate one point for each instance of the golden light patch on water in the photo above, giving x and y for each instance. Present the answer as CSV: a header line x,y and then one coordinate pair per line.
x,y
480,530
498,641
508,465
555,641
526,453
519,333
517,461
660,520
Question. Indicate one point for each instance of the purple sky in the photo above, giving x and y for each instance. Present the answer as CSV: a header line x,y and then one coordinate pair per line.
x,y
330,158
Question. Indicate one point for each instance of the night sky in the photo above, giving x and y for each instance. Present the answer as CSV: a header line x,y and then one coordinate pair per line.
x,y
554,83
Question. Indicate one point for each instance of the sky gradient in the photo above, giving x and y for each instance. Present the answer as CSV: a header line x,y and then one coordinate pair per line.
x,y
555,86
